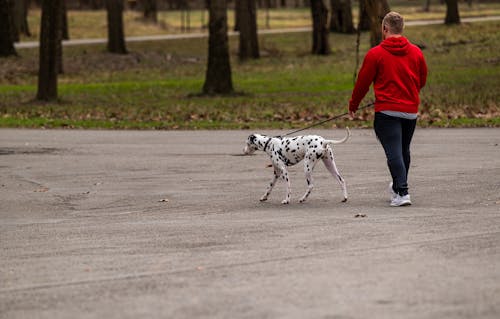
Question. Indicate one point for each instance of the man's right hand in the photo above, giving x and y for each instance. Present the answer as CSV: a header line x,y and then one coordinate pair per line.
x,y
352,114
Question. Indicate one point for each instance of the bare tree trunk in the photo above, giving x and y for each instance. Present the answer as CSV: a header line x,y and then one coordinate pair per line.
x,y
237,11
14,31
427,6
64,21
116,37
268,16
50,38
319,13
150,9
63,32
452,14
218,77
364,19
6,39
376,9
249,42
25,28
341,16
20,17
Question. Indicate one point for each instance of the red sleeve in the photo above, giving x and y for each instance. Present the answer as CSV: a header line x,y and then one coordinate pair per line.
x,y
365,78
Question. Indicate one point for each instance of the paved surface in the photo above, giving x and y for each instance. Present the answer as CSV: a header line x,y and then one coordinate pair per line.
x,y
196,35
84,232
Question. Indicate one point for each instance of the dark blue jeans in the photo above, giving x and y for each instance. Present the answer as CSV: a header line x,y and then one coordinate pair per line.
x,y
395,135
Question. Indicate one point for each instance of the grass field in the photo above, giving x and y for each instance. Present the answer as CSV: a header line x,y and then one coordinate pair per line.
x,y
156,85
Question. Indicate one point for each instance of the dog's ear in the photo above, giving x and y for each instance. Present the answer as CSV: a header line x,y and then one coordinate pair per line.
x,y
251,139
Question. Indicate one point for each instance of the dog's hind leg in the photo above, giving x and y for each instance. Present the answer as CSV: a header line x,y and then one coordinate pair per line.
x,y
329,162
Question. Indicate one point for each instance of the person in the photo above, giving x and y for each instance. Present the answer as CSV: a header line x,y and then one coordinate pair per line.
x,y
398,72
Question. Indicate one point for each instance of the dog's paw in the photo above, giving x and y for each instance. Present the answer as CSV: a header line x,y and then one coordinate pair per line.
x,y
302,200
285,202
344,200
263,198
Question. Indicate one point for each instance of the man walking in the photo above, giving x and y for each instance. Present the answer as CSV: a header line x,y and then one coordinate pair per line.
x,y
398,72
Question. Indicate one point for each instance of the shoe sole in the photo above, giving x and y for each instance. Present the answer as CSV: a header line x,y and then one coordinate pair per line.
x,y
401,205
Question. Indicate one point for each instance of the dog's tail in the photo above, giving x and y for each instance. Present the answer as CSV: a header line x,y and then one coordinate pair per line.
x,y
333,142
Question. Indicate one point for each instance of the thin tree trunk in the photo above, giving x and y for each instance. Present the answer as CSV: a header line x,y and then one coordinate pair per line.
x,y
427,6
49,38
341,16
218,76
364,19
116,37
150,10
25,28
249,42
452,14
12,6
319,14
63,35
238,5
64,21
376,9
6,39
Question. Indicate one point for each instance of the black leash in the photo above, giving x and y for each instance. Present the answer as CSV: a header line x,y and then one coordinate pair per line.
x,y
325,121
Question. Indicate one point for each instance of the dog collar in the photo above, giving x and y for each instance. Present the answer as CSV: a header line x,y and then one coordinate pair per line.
x,y
267,143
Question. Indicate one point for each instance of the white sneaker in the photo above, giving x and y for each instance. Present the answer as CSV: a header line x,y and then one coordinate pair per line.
x,y
401,201
392,192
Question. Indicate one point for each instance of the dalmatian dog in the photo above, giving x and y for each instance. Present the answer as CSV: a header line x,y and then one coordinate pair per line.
x,y
288,151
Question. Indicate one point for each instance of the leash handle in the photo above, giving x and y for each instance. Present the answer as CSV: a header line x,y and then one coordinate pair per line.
x,y
327,120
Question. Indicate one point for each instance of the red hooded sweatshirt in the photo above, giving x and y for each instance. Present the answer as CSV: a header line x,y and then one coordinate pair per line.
x,y
397,70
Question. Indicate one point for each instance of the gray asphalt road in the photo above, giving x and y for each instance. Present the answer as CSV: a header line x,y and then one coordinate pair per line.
x,y
126,224
196,35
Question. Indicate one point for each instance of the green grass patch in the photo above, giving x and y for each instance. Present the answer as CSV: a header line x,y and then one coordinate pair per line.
x,y
157,85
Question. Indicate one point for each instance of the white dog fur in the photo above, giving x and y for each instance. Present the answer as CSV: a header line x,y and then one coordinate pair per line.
x,y
288,151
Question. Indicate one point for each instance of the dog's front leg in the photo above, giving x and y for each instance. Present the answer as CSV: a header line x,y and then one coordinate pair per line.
x,y
271,184
309,164
284,175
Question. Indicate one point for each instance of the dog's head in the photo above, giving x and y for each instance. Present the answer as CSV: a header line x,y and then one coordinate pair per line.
x,y
252,144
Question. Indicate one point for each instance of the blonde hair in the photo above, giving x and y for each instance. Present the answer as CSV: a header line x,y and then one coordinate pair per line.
x,y
394,22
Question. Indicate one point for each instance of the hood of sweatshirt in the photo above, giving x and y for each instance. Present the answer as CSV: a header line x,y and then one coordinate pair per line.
x,y
396,46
